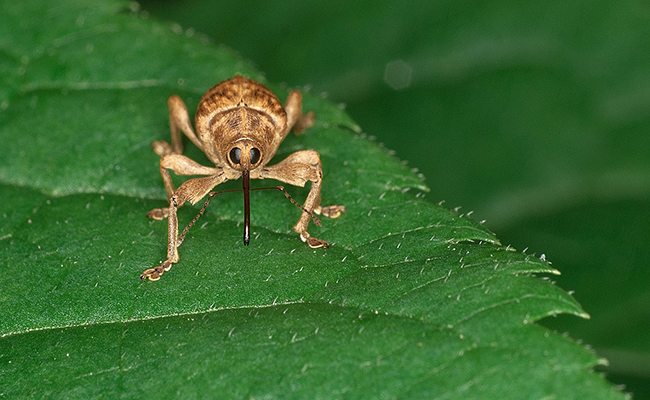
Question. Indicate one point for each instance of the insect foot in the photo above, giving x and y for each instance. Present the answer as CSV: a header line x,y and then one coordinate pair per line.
x,y
313,242
330,211
158,214
301,226
154,273
161,147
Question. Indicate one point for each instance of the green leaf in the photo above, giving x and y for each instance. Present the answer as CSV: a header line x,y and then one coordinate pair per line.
x,y
411,300
535,117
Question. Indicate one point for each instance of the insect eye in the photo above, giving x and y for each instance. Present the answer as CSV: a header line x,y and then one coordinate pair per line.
x,y
255,155
235,155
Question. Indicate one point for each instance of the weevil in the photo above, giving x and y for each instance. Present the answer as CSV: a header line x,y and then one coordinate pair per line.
x,y
239,126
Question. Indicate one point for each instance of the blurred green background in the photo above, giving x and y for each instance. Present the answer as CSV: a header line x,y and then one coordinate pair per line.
x,y
536,116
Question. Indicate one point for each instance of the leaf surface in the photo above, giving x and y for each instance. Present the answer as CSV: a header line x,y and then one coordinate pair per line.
x,y
411,300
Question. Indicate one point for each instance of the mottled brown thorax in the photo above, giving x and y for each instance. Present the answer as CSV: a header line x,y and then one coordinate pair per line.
x,y
240,108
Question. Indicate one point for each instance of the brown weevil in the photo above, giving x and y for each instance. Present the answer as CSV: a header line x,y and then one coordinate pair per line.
x,y
239,126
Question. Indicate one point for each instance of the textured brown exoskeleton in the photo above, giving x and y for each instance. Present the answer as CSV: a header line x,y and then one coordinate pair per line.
x,y
239,126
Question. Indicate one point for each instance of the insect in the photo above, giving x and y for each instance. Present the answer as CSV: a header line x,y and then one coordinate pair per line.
x,y
239,126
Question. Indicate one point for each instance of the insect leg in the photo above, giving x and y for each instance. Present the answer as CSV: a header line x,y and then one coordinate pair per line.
x,y
191,190
295,118
181,165
297,169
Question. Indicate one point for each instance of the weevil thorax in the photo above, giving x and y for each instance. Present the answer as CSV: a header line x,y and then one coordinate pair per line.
x,y
241,124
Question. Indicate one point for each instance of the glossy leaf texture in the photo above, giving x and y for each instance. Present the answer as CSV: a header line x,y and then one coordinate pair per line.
x,y
412,299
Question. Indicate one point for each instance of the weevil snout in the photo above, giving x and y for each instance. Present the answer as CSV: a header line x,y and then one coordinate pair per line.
x,y
245,155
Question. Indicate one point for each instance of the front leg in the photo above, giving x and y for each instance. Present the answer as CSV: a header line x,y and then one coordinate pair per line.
x,y
192,190
181,165
297,169
172,245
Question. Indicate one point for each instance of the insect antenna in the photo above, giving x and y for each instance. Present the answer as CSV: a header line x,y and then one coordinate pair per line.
x,y
212,194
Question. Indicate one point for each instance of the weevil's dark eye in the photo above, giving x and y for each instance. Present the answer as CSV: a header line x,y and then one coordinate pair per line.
x,y
255,155
235,155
